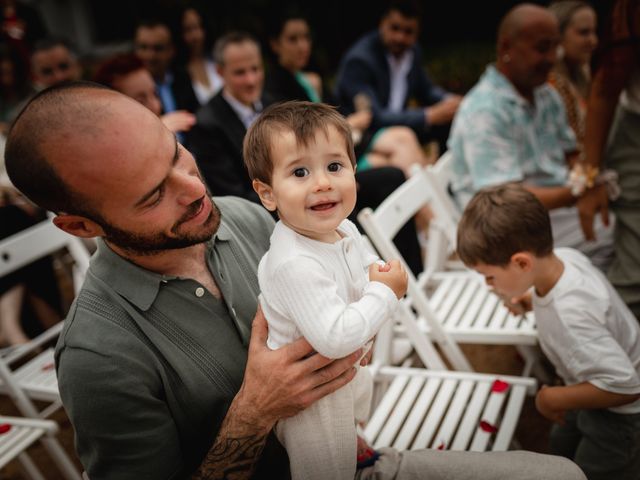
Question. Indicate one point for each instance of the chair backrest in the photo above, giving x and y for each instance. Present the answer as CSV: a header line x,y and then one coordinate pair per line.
x,y
404,202
426,186
444,225
441,174
30,245
381,226
38,241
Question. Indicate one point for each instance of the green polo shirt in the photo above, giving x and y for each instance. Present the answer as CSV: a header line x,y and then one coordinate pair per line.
x,y
148,364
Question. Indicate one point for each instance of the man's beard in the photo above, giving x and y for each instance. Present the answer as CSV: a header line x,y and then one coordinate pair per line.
x,y
154,243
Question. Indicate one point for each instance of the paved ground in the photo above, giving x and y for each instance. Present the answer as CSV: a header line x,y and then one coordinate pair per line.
x,y
532,432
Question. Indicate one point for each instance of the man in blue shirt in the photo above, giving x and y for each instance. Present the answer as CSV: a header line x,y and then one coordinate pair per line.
x,y
512,127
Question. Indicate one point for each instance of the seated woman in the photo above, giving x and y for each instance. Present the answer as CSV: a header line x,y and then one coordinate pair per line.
x,y
571,75
126,73
34,285
194,47
286,79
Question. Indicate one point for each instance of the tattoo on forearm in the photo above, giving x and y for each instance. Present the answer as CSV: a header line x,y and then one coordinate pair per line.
x,y
232,458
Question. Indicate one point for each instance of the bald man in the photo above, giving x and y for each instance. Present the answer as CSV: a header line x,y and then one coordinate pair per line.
x,y
162,367
512,127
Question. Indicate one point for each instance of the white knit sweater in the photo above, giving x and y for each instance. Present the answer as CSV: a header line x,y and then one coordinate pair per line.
x,y
321,291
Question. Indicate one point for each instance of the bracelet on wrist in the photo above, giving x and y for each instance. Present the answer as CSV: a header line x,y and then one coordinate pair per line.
x,y
581,178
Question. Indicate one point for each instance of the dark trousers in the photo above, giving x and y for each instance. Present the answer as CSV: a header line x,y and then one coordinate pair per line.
x,y
604,444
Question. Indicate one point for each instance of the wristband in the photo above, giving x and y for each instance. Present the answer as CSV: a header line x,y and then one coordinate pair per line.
x,y
581,178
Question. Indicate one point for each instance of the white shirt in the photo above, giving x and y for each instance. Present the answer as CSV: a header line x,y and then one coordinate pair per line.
x,y
398,69
320,291
247,115
203,92
587,331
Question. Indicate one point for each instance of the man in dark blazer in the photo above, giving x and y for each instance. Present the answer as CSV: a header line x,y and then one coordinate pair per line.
x,y
221,124
386,66
153,44
216,139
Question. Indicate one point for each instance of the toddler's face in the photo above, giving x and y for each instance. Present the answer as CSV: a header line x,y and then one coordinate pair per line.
x,y
313,187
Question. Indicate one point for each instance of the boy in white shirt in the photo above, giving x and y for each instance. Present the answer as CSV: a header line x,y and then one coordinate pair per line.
x,y
313,279
584,328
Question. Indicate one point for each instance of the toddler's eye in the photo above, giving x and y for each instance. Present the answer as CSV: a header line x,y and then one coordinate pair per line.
x,y
301,172
334,167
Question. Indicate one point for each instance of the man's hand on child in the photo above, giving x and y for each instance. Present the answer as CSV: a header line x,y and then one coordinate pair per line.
x,y
280,383
544,405
392,274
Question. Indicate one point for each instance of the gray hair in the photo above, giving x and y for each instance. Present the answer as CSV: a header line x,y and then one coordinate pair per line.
x,y
231,38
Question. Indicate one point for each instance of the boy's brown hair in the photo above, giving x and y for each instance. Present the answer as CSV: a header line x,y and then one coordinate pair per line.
x,y
501,221
304,119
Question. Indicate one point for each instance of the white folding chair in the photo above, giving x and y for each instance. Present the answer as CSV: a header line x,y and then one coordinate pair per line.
x,y
447,410
453,306
37,241
17,435
433,407
35,378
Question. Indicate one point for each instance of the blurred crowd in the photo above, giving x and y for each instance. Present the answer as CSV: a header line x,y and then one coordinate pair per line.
x,y
541,114
558,111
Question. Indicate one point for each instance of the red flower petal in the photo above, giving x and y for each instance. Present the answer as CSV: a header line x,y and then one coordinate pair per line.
x,y
499,386
4,428
441,446
487,427
48,366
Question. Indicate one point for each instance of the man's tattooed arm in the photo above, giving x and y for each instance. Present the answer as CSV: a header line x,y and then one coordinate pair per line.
x,y
236,450
277,384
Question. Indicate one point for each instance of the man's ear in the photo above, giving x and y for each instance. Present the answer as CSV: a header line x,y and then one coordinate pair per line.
x,y
265,193
78,225
503,49
522,260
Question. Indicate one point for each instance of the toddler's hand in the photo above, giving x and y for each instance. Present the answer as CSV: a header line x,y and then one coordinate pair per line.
x,y
383,268
392,274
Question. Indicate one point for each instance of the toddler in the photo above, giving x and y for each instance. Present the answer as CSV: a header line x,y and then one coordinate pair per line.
x,y
313,279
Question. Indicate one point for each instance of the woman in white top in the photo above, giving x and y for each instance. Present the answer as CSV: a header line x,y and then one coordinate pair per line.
x,y
204,78
571,75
